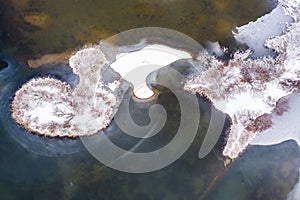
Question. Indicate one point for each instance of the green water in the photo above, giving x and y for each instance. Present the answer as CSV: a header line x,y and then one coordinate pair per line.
x,y
260,173
71,23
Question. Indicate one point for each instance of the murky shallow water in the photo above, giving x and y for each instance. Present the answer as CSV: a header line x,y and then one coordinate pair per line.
x,y
69,24
260,173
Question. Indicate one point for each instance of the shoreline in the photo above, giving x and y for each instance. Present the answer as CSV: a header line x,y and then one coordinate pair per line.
x,y
249,89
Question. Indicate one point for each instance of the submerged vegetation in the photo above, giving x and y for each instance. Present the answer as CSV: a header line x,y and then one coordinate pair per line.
x,y
69,25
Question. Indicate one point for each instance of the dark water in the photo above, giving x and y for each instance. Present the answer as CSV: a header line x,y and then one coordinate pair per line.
x,y
69,24
33,167
263,172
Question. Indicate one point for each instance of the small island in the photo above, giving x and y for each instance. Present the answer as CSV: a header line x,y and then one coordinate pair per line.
x,y
50,107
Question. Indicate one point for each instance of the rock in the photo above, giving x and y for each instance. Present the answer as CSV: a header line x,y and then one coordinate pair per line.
x,y
37,19
49,58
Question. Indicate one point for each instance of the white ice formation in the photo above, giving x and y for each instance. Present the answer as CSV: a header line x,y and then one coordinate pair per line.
x,y
253,92
148,59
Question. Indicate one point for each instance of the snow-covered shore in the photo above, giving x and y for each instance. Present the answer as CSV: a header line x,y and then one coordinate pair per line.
x,y
250,90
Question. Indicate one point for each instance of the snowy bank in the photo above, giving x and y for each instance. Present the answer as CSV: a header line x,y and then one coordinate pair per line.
x,y
249,90
255,34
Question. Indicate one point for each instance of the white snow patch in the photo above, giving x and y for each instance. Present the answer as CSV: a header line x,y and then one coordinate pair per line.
x,y
255,34
155,56
285,127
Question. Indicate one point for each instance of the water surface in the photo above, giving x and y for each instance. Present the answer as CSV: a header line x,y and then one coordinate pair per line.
x,y
33,167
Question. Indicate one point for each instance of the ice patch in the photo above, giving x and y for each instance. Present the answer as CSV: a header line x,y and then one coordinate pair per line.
x,y
255,34
154,56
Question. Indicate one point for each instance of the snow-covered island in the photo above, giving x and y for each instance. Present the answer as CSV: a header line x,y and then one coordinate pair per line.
x,y
255,92
50,107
